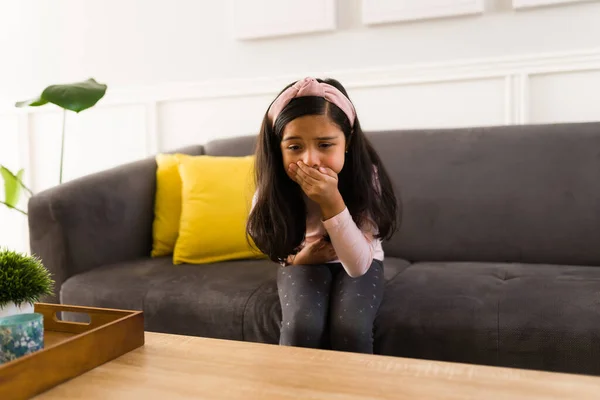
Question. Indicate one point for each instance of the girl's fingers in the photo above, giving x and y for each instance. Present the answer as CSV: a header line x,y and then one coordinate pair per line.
x,y
311,171
301,180
323,244
329,172
299,176
309,175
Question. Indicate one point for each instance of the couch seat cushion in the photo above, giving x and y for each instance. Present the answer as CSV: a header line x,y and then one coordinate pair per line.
x,y
516,315
203,300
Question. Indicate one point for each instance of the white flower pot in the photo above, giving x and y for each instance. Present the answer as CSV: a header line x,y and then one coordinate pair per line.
x,y
12,309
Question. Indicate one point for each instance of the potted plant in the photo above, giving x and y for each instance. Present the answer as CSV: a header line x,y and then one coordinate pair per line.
x,y
23,281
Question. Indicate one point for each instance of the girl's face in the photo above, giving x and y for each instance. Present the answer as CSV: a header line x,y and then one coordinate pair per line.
x,y
316,141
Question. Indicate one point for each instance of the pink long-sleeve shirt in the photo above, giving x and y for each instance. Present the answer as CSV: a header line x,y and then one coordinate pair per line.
x,y
355,248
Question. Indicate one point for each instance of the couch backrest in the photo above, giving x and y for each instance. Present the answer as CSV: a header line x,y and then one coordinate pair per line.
x,y
231,147
500,194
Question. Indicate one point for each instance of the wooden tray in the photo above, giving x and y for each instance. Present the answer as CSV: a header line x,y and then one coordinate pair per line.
x,y
71,348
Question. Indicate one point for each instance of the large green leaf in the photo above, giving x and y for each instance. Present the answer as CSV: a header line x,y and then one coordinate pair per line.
x,y
73,96
12,186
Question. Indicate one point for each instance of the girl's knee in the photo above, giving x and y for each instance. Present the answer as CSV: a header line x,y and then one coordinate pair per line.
x,y
303,328
302,331
351,335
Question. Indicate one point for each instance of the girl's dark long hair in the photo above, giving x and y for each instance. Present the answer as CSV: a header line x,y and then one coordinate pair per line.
x,y
277,223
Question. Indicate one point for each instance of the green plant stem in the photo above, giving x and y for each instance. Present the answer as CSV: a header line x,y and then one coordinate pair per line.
x,y
62,145
14,208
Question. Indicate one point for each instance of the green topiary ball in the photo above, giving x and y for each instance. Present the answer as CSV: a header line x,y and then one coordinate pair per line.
x,y
23,278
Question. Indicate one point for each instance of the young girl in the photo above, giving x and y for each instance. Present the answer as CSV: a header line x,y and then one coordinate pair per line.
x,y
323,204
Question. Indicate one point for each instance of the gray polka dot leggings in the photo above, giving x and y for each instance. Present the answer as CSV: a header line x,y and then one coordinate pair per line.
x,y
323,307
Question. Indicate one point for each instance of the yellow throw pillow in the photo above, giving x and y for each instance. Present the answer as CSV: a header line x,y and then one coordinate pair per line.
x,y
167,205
216,198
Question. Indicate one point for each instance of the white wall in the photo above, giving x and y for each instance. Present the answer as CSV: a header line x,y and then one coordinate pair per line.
x,y
177,74
137,42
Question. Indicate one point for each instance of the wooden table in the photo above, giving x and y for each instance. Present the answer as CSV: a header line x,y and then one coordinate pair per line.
x,y
181,367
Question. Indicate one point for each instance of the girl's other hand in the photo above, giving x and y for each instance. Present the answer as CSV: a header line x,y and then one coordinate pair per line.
x,y
317,252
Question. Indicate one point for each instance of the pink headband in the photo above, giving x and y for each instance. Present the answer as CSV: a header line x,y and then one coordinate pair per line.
x,y
312,87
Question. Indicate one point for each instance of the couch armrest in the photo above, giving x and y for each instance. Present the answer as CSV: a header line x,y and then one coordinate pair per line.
x,y
99,219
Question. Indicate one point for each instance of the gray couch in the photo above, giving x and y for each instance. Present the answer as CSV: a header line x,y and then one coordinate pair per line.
x,y
496,261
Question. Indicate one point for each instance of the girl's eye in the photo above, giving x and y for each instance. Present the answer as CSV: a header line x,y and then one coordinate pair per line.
x,y
293,147
325,145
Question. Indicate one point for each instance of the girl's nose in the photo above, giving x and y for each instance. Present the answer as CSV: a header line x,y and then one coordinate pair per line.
x,y
311,159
